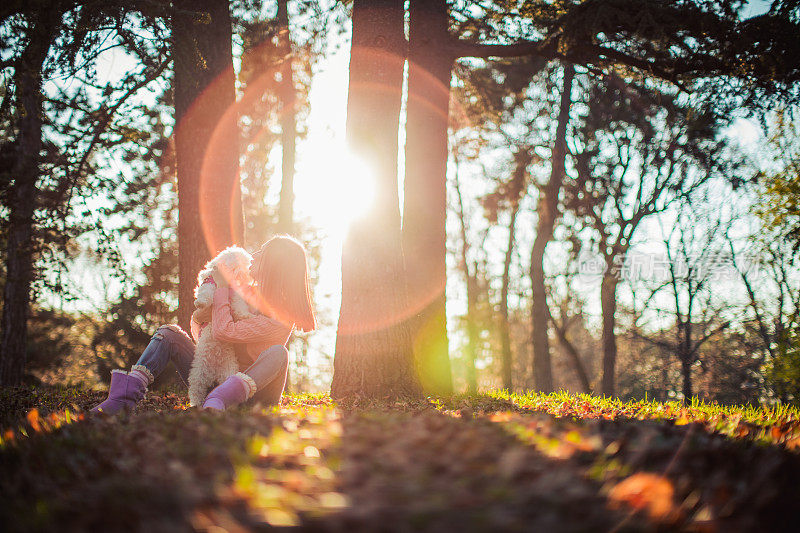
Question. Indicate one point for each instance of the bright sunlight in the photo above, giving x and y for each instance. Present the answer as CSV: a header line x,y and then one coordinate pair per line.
x,y
336,187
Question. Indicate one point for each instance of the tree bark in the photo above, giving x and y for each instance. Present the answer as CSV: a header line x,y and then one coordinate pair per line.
x,y
424,210
686,354
608,304
288,120
20,242
686,371
505,334
575,357
548,212
542,366
206,140
472,299
374,356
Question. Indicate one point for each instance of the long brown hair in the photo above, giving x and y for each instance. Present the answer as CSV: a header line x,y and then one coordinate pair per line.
x,y
280,272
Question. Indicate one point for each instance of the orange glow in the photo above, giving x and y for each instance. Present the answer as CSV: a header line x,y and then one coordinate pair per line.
x,y
338,186
223,144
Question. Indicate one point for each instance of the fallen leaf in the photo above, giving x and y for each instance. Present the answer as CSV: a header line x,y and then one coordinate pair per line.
x,y
645,492
33,419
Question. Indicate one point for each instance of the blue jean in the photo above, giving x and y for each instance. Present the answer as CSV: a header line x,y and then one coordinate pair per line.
x,y
171,344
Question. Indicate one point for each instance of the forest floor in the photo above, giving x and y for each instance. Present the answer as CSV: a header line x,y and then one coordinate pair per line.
x,y
494,462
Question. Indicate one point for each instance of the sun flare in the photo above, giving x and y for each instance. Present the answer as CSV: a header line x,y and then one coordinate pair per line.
x,y
335,187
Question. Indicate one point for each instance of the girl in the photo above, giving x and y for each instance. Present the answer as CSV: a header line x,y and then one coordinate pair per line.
x,y
280,292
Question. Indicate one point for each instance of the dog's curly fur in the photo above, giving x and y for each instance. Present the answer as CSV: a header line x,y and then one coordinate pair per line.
x,y
215,361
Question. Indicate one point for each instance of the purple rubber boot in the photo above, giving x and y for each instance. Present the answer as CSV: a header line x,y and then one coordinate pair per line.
x,y
124,393
233,391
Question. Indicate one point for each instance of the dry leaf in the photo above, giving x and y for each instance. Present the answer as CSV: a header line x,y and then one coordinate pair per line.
x,y
645,492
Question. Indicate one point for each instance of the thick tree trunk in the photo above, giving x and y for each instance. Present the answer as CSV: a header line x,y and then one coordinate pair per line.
x,y
425,189
548,211
288,122
608,304
374,357
20,245
206,140
505,334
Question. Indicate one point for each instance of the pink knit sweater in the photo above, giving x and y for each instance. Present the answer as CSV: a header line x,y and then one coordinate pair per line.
x,y
257,333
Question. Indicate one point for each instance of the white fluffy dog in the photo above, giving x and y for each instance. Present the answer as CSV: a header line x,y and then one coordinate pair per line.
x,y
215,361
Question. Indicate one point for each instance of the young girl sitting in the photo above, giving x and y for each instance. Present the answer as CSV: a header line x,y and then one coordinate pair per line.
x,y
280,292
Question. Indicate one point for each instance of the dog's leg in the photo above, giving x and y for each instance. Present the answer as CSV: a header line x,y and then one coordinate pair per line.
x,y
227,364
231,365
196,385
199,379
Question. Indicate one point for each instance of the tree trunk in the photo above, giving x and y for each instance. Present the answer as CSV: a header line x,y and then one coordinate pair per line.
x,y
472,298
505,334
472,334
686,371
374,357
608,304
548,211
206,140
20,245
542,367
288,120
424,210
575,358
665,380
686,355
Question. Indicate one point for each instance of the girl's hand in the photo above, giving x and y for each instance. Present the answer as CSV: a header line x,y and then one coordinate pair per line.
x,y
202,315
222,294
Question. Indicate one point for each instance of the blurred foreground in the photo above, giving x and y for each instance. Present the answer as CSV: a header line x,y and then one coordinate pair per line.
x,y
483,463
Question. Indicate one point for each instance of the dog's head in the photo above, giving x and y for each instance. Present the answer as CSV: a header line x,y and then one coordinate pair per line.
x,y
230,267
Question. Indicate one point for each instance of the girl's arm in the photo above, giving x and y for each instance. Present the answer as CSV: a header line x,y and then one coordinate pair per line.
x,y
199,317
247,330
202,315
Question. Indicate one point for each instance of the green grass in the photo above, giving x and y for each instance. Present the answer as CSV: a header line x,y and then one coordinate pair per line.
x,y
777,424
